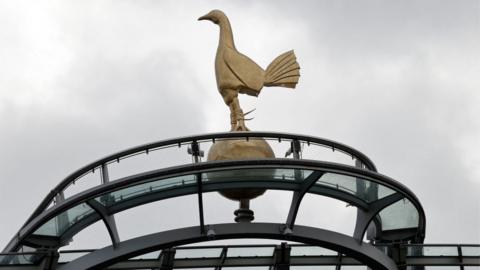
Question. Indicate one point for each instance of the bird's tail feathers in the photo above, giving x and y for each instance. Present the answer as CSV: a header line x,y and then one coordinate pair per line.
x,y
283,71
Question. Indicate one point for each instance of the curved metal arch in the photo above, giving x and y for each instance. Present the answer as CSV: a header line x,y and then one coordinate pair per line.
x,y
201,167
344,244
190,139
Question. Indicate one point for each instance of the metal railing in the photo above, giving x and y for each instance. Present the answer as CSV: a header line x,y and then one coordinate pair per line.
x,y
101,165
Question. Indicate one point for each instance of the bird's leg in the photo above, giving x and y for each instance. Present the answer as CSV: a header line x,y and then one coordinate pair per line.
x,y
239,115
233,117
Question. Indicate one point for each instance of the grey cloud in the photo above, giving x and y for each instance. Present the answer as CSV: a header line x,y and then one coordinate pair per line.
x,y
395,80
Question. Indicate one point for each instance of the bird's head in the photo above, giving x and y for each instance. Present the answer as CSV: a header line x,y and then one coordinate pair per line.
x,y
214,16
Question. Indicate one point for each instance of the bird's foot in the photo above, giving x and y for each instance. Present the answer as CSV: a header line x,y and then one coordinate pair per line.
x,y
240,121
241,126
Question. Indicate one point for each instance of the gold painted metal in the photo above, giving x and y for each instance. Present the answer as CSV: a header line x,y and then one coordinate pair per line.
x,y
238,150
236,73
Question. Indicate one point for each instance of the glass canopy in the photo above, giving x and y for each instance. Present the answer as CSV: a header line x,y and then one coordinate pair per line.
x,y
399,215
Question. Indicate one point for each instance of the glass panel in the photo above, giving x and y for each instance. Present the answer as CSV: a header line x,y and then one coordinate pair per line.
x,y
257,175
433,267
197,268
23,259
399,215
354,267
144,188
250,252
471,267
311,251
70,256
470,251
247,268
364,189
417,251
321,267
147,256
59,224
441,268
198,253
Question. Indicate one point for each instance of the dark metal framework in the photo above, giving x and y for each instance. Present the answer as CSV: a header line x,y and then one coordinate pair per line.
x,y
274,256
96,198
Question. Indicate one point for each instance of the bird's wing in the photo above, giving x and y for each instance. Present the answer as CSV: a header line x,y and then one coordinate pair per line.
x,y
247,71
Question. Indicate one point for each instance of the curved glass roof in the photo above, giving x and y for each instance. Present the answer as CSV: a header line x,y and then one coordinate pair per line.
x,y
355,182
343,186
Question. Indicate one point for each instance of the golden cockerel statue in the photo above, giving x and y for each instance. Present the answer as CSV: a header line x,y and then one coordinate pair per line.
x,y
236,73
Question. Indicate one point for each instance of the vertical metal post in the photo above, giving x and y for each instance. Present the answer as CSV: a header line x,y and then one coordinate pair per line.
x,y
281,257
166,259
460,257
339,261
50,261
295,150
106,199
196,153
62,220
399,255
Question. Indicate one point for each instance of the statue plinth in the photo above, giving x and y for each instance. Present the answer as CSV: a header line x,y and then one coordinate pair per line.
x,y
255,148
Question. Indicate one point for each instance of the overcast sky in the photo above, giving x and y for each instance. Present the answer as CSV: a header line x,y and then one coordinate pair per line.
x,y
398,80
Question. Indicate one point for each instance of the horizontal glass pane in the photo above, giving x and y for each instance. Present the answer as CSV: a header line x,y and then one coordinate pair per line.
x,y
257,175
22,259
59,224
147,256
247,268
441,268
144,188
250,252
311,251
320,267
434,267
211,268
470,251
70,256
366,190
417,251
400,215
198,253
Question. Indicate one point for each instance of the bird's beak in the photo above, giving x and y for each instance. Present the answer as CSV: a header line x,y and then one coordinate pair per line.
x,y
204,17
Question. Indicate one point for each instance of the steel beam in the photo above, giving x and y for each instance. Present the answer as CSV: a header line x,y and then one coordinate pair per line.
x,y
297,197
365,253
107,219
365,217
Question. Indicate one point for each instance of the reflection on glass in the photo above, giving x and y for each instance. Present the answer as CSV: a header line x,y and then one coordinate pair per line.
x,y
416,251
311,251
250,251
19,259
399,215
366,190
270,174
198,253
144,188
60,223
